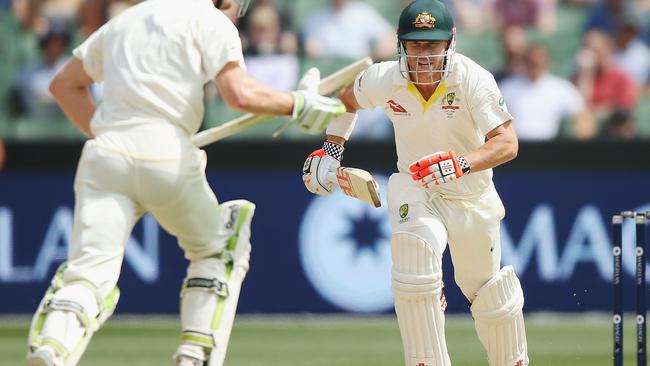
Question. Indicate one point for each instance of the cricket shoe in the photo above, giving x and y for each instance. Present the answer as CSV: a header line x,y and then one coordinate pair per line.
x,y
188,361
43,356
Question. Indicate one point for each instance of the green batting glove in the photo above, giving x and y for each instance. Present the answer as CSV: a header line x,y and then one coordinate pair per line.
x,y
313,112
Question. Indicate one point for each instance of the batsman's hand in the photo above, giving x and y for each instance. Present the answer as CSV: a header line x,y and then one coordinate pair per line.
x,y
312,112
319,170
439,168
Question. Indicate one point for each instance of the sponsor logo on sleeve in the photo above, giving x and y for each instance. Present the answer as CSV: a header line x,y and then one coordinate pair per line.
x,y
502,104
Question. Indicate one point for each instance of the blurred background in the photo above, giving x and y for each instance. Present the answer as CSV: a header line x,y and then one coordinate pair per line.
x,y
575,74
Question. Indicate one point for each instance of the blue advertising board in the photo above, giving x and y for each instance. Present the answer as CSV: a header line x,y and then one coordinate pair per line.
x,y
332,254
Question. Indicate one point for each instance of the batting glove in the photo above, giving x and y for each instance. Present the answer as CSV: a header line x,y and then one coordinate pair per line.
x,y
319,170
439,168
313,112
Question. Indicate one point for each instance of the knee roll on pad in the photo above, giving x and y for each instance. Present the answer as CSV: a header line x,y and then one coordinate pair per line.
x,y
238,216
499,320
211,289
417,286
68,316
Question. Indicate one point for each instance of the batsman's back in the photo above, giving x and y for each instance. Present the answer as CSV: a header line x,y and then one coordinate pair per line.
x,y
154,60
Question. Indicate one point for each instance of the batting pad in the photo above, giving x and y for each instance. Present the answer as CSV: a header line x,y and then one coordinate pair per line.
x,y
497,312
67,317
417,286
211,290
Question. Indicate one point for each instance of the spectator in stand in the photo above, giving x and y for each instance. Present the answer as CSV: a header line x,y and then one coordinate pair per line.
x,y
265,57
538,14
540,101
603,85
349,29
515,45
288,40
93,14
30,93
342,30
470,15
620,126
605,15
28,15
632,56
24,29
63,11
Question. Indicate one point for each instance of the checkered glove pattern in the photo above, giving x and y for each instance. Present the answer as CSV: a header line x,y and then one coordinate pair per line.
x,y
464,165
334,150
439,168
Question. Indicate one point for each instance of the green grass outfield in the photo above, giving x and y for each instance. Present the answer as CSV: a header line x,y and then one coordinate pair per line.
x,y
306,340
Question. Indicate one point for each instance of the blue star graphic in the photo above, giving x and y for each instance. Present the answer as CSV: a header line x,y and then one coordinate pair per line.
x,y
365,232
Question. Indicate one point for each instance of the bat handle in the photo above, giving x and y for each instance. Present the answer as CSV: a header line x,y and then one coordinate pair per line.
x,y
278,131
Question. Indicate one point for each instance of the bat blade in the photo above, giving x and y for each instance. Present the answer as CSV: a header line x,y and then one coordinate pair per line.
x,y
359,184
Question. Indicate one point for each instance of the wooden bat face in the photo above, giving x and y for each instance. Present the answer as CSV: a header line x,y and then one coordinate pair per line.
x,y
359,184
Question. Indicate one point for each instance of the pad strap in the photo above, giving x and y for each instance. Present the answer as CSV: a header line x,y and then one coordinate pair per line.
x,y
208,284
73,307
198,338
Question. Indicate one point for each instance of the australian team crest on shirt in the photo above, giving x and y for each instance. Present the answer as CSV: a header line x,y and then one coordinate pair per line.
x,y
448,104
403,213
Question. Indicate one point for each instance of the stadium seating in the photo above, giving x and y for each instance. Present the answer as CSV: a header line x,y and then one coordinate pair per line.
x,y
22,48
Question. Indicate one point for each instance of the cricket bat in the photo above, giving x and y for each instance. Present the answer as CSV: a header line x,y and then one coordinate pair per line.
x,y
359,184
328,86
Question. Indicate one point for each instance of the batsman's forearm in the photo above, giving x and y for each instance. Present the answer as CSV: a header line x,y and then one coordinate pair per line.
x,y
496,151
252,96
78,105
336,139
264,100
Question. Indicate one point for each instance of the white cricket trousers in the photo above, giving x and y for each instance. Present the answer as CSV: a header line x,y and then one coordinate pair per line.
x,y
471,226
119,179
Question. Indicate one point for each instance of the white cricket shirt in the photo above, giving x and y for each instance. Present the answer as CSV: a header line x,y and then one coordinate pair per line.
x,y
466,107
155,59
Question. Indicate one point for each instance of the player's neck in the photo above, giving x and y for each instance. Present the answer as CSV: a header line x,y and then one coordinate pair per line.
x,y
427,90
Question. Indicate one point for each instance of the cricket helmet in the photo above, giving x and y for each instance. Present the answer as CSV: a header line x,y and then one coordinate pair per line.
x,y
242,6
426,20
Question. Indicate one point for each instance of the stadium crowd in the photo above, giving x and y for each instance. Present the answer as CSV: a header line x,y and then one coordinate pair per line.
x,y
569,69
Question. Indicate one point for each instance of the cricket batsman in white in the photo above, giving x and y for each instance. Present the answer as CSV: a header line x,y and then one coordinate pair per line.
x,y
154,60
451,128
